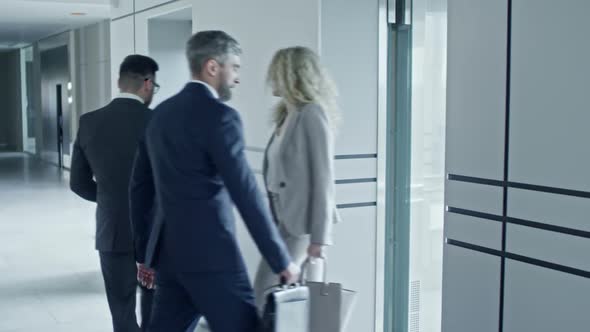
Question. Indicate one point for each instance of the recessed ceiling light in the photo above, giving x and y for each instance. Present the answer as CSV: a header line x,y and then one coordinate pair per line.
x,y
78,14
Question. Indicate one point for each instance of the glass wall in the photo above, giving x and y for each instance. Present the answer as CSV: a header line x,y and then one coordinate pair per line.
x,y
416,164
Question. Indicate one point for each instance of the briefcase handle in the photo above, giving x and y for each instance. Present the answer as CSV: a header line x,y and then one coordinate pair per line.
x,y
305,266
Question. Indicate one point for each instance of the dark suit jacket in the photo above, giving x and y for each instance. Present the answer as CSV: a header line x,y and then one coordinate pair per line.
x,y
101,167
192,161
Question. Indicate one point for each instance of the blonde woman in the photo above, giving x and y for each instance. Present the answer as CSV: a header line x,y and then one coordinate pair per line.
x,y
298,165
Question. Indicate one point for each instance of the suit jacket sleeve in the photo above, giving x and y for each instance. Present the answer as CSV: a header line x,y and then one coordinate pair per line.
x,y
320,152
226,148
81,176
141,201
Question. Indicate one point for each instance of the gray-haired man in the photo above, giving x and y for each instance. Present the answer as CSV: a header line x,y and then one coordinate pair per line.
x,y
192,161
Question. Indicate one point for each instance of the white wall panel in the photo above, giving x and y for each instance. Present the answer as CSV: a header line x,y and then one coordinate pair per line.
x,y
91,78
542,300
481,232
476,94
352,262
356,168
549,95
471,196
471,291
262,27
94,43
255,159
142,19
122,45
121,7
548,135
169,53
552,209
563,249
93,86
356,193
144,4
349,47
344,168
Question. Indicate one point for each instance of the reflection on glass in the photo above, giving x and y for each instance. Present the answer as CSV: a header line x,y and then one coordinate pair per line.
x,y
429,40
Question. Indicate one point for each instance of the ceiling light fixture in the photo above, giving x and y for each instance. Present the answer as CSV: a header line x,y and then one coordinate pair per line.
x,y
78,14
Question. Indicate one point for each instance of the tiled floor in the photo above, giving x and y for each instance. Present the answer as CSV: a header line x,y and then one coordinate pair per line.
x,y
49,276
49,271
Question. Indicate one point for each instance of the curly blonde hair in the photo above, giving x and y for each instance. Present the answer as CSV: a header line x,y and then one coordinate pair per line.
x,y
295,73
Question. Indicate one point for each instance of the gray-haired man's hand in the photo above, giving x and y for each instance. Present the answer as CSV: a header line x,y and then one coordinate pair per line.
x,y
291,274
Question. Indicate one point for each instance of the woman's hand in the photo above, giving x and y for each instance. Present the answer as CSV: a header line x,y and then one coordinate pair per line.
x,y
315,251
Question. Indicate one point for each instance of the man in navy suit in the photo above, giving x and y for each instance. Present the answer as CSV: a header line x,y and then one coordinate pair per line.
x,y
188,170
101,172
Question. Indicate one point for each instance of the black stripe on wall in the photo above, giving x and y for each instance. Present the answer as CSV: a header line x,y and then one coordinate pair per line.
x,y
341,181
355,205
122,17
551,190
550,228
519,185
356,156
472,179
506,164
521,222
351,181
476,214
344,205
336,157
519,258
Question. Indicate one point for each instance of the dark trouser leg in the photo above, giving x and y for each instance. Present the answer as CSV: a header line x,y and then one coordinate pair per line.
x,y
225,299
147,298
173,310
120,278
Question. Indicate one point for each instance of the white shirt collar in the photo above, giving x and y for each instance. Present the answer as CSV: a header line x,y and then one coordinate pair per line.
x,y
213,91
130,96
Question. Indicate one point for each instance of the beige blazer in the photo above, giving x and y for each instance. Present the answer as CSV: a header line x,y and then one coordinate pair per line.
x,y
306,175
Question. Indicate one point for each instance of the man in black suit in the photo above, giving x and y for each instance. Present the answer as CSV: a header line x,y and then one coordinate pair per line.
x,y
192,163
100,172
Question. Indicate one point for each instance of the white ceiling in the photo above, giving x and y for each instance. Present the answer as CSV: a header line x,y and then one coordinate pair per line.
x,y
25,21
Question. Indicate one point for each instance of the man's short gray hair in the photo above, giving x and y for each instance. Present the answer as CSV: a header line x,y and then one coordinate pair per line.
x,y
206,45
